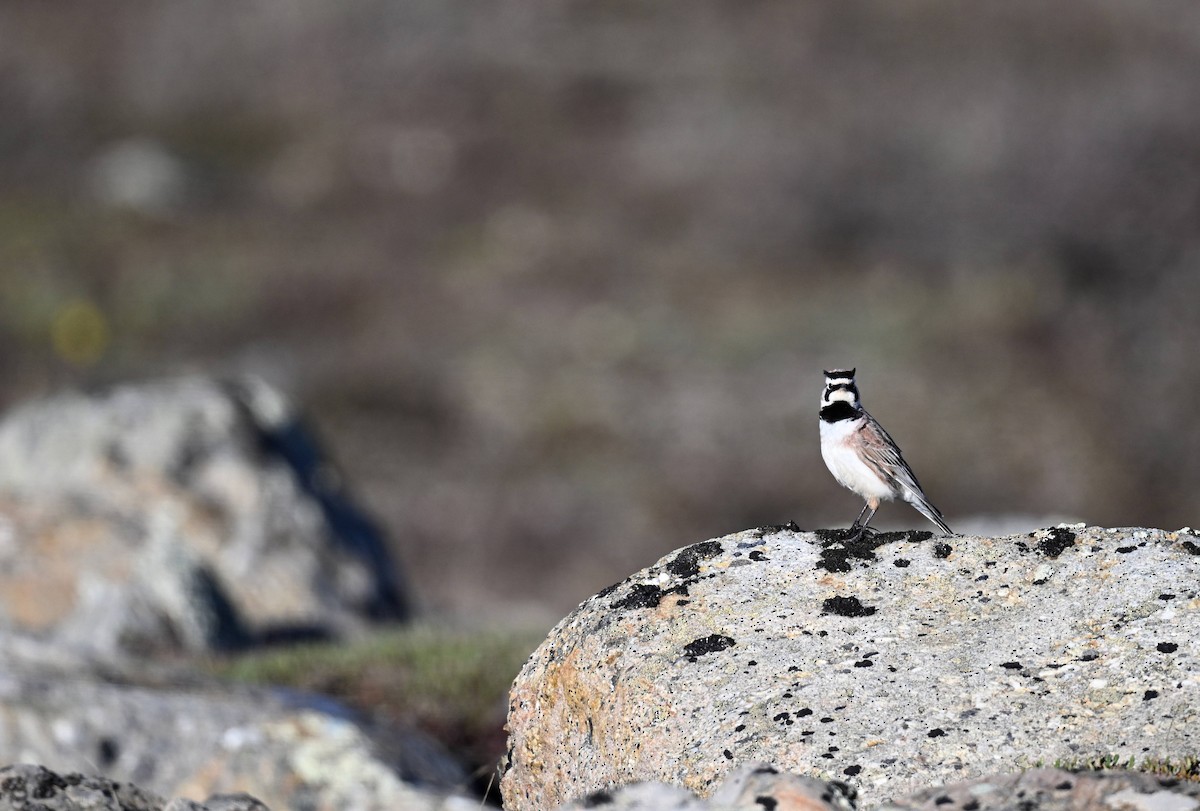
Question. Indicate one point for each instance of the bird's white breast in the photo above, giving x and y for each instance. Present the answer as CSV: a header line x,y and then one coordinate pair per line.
x,y
847,466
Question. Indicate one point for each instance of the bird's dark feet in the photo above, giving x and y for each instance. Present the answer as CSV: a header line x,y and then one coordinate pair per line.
x,y
857,532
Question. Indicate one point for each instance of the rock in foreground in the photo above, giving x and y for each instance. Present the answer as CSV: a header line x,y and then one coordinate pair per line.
x,y
184,736
27,787
755,789
899,661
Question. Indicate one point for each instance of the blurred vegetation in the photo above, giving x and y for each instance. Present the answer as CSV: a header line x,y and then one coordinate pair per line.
x,y
557,280
450,684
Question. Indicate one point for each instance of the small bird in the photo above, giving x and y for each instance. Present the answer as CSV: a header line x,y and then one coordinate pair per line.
x,y
863,457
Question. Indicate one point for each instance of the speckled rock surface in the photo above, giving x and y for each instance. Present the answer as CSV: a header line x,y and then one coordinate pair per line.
x,y
901,661
762,787
640,797
26,787
756,789
753,787
1057,790
178,514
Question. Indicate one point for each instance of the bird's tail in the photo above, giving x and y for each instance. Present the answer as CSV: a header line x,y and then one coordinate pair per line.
x,y
925,508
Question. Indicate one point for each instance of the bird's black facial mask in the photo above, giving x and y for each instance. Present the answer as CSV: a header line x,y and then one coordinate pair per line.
x,y
835,408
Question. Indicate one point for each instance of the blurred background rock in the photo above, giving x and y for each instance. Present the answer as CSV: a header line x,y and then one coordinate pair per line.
x,y
556,280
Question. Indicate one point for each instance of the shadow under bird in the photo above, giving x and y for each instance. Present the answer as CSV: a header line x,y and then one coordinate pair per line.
x,y
863,457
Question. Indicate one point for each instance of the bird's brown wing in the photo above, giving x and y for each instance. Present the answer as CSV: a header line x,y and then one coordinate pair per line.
x,y
882,453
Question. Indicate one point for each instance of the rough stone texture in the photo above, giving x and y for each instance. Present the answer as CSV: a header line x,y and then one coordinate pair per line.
x,y
26,787
752,786
199,739
765,789
640,797
899,661
181,514
1057,790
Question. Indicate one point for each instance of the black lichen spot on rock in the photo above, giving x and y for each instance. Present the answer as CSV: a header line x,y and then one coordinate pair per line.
x,y
757,556
1088,656
600,595
848,791
728,755
803,711
837,553
1011,665
1149,694
850,771
1191,548
597,799
839,547
1065,785
766,802
910,535
739,727
48,785
900,563
765,770
687,562
1165,597
864,663
708,644
1167,647
1056,541
1125,550
832,535
846,607
937,732
783,716
942,550
774,529
647,595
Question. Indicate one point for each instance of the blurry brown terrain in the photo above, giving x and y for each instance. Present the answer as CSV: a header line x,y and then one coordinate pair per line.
x,y
556,281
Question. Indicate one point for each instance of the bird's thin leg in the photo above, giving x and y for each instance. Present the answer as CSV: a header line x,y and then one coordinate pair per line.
x,y
856,525
857,530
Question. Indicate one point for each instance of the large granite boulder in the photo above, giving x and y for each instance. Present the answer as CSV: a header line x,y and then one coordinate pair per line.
x,y
182,514
177,735
898,661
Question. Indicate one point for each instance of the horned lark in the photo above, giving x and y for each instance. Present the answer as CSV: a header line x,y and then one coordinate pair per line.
x,y
863,457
